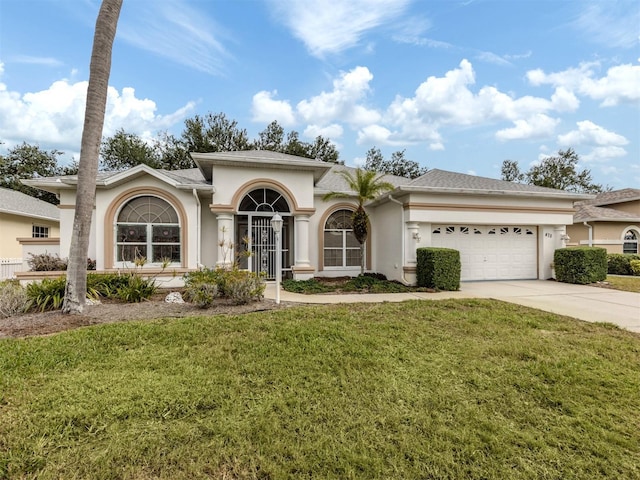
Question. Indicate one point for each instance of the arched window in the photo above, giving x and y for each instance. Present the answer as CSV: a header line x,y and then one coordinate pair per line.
x,y
148,227
630,242
341,249
263,200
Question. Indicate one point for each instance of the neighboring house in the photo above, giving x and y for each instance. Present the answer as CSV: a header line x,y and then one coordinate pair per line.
x,y
610,220
210,215
25,221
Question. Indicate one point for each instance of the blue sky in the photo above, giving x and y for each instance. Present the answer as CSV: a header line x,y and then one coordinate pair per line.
x,y
461,85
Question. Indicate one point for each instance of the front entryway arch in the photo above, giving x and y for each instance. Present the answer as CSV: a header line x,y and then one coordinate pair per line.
x,y
255,239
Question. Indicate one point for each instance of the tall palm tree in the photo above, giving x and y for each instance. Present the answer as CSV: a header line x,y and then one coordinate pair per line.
x,y
366,185
99,71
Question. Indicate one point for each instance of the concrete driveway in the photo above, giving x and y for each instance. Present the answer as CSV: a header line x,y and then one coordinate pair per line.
x,y
591,304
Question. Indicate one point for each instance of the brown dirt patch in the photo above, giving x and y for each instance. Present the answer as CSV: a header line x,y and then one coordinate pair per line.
x,y
46,323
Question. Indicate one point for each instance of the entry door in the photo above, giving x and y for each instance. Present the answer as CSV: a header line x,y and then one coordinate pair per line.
x,y
263,246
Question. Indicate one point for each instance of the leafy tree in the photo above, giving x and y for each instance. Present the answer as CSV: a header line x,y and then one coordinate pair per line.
x,y
25,162
397,165
559,171
125,150
214,133
511,172
366,185
271,138
99,71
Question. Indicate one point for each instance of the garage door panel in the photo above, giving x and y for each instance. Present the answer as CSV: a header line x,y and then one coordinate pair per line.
x,y
491,252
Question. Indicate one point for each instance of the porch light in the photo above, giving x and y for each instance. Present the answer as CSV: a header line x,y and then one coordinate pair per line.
x,y
276,224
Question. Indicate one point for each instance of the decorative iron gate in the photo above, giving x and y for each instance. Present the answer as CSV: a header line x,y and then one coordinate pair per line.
x,y
263,247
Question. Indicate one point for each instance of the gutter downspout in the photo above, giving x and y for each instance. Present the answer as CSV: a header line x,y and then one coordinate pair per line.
x,y
198,228
402,240
590,233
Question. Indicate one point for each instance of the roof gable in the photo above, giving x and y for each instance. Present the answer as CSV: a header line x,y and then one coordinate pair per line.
x,y
613,197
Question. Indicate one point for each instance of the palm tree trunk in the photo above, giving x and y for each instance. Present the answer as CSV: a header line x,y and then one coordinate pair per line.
x,y
99,71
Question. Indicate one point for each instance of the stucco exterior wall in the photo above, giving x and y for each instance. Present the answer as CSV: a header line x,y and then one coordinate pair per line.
x,y
388,246
629,207
16,226
110,201
606,235
231,183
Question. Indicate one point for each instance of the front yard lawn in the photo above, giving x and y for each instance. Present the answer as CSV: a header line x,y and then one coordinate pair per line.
x,y
419,389
626,283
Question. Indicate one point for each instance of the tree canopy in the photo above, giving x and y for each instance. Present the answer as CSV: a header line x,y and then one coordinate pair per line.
x,y
560,171
30,161
397,165
208,133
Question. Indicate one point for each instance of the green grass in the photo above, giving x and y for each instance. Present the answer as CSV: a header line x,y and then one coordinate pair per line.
x,y
421,389
626,283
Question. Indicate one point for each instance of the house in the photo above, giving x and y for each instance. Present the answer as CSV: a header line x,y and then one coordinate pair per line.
x,y
214,214
26,223
611,220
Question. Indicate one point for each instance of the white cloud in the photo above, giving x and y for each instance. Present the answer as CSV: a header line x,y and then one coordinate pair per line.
x,y
332,131
603,154
493,58
621,83
537,126
588,133
331,26
614,24
342,102
177,31
53,118
265,109
44,61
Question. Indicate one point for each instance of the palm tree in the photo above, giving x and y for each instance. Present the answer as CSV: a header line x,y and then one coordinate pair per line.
x,y
366,185
99,70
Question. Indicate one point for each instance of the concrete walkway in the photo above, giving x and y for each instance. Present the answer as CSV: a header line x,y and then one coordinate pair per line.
x,y
591,304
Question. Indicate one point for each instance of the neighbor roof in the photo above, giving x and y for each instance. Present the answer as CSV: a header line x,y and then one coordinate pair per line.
x,y
593,213
18,203
614,196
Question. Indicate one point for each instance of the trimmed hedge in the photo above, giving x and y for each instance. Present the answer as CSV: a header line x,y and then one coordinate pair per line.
x,y
438,268
580,265
620,263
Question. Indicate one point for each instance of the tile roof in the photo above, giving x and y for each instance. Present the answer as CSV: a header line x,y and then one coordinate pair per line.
x,y
18,203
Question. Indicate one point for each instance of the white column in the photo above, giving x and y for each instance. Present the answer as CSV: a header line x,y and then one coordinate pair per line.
x,y
301,235
225,245
411,242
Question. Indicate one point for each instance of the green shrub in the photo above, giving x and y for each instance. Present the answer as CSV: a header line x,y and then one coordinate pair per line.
x,y
438,268
13,299
136,288
201,294
47,294
635,267
305,286
620,263
580,265
242,286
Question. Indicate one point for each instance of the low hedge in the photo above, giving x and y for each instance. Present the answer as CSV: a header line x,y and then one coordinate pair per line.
x,y
438,268
580,265
620,263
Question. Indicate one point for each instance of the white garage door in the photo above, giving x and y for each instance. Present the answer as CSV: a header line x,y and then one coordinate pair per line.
x,y
491,252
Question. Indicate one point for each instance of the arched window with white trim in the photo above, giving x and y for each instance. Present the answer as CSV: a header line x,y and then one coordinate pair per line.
x,y
341,249
630,241
148,228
